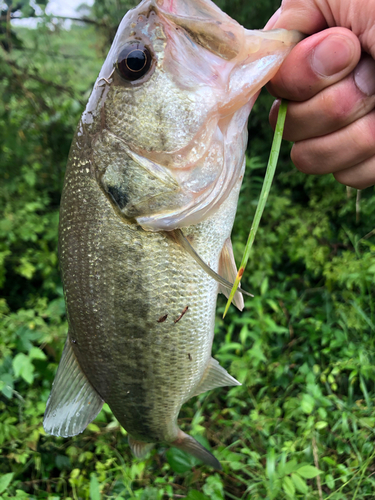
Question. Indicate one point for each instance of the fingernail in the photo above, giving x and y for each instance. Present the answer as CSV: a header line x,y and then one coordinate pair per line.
x,y
332,55
364,75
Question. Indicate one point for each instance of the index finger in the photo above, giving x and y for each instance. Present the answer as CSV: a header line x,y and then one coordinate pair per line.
x,y
305,17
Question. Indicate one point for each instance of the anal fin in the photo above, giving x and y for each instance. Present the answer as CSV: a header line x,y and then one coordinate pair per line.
x,y
73,402
139,448
228,270
213,377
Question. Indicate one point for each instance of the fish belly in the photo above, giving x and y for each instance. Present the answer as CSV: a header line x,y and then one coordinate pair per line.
x,y
141,312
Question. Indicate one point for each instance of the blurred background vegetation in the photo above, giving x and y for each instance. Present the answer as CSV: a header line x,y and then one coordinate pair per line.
x,y
302,425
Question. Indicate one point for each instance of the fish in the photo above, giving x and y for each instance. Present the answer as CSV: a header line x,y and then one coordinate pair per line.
x,y
147,209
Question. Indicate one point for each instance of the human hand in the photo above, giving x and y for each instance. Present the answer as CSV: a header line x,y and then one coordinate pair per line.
x,y
329,80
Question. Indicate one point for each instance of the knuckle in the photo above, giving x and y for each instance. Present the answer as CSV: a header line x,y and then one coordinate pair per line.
x,y
338,106
364,134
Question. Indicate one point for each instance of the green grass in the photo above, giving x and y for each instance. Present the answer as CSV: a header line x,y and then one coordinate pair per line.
x,y
268,178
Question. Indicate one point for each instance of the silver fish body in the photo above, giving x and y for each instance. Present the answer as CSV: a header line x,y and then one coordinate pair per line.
x,y
150,157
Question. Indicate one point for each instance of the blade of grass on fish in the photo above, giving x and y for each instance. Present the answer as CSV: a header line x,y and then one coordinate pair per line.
x,y
270,172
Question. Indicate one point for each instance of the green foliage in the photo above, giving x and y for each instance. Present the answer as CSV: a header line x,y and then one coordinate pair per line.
x,y
302,424
109,14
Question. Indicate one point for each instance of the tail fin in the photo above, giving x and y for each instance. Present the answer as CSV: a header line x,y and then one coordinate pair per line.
x,y
190,445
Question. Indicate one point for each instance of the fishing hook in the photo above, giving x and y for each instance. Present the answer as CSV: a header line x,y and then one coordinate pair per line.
x,y
105,79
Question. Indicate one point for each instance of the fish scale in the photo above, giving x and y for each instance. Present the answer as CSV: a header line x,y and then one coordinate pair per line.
x,y
163,131
149,199
157,354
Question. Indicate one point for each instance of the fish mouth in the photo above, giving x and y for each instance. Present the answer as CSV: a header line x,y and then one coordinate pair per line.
x,y
206,25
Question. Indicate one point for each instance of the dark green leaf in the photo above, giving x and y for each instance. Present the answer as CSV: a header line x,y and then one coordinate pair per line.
x,y
308,471
178,460
196,495
94,488
5,481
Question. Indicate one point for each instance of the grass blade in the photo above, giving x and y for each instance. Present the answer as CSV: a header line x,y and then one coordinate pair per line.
x,y
270,172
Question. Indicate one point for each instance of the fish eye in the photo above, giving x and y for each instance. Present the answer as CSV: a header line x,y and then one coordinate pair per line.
x,y
134,61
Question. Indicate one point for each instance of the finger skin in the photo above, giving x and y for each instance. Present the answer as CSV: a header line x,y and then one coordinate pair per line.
x,y
331,115
360,176
340,150
311,16
328,111
296,79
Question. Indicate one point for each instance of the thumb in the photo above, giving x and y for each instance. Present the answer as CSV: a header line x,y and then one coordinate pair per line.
x,y
316,63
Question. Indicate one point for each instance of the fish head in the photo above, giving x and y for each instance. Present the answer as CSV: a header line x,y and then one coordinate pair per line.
x,y
170,108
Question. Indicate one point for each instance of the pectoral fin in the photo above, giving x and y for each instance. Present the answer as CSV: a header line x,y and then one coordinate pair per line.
x,y
213,377
73,402
228,270
185,244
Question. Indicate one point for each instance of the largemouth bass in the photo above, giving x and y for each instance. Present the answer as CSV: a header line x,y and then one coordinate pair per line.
x,y
148,205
